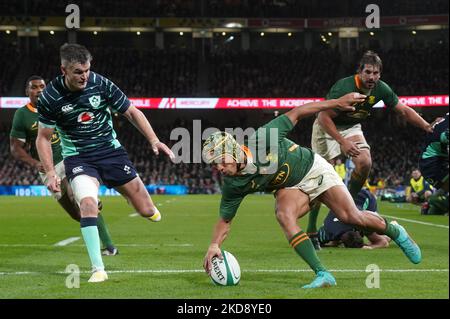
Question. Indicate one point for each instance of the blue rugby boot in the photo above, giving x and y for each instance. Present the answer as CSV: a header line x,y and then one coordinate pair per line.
x,y
407,244
323,279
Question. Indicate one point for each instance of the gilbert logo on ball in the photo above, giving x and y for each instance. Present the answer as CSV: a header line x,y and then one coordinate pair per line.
x,y
226,271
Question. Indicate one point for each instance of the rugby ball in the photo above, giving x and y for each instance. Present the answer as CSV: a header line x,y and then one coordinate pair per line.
x,y
226,271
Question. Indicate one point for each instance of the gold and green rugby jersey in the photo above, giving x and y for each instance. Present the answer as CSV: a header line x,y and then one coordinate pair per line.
x,y
273,162
381,92
25,128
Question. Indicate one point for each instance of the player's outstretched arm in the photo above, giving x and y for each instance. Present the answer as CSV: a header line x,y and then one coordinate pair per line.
x,y
220,232
138,119
344,103
44,149
412,117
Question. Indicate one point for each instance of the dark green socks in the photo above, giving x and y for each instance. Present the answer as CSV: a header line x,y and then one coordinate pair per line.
x,y
305,249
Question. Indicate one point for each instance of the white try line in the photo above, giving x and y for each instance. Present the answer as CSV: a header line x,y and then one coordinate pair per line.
x,y
66,242
417,221
72,239
183,271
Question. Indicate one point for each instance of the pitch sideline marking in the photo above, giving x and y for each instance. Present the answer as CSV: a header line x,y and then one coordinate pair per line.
x,y
82,245
172,271
66,242
417,221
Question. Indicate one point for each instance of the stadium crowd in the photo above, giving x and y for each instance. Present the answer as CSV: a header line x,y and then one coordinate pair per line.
x,y
395,152
154,72
275,73
253,73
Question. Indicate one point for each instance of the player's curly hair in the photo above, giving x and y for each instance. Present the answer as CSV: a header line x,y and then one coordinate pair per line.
x,y
74,53
371,58
352,239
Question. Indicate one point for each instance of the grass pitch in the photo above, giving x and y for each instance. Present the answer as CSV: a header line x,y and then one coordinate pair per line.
x,y
164,260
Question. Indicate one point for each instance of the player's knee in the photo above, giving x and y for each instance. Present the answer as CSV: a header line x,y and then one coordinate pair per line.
x,y
364,166
88,207
147,210
285,217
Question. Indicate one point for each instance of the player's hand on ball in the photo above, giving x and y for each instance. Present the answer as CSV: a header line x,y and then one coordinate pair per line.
x,y
349,148
158,146
346,102
213,251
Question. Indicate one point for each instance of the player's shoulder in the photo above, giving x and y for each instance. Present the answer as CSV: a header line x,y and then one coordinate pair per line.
x,y
53,91
97,79
346,84
348,80
21,110
20,113
381,85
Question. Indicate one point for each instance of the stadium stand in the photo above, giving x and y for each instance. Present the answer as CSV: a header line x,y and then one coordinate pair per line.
x,y
223,8
253,73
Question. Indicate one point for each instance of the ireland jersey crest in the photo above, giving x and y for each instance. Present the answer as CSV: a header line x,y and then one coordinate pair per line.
x,y
95,101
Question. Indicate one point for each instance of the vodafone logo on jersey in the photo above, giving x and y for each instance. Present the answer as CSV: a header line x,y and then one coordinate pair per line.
x,y
86,117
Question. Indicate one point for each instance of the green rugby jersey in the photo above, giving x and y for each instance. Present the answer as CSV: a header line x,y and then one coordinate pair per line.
x,y
272,168
25,128
437,142
381,92
83,118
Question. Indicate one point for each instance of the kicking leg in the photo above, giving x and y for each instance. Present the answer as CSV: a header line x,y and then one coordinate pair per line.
x,y
339,200
136,194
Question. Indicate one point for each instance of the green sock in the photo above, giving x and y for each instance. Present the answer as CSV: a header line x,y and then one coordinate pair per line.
x,y
103,232
391,231
355,184
89,231
312,219
305,249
